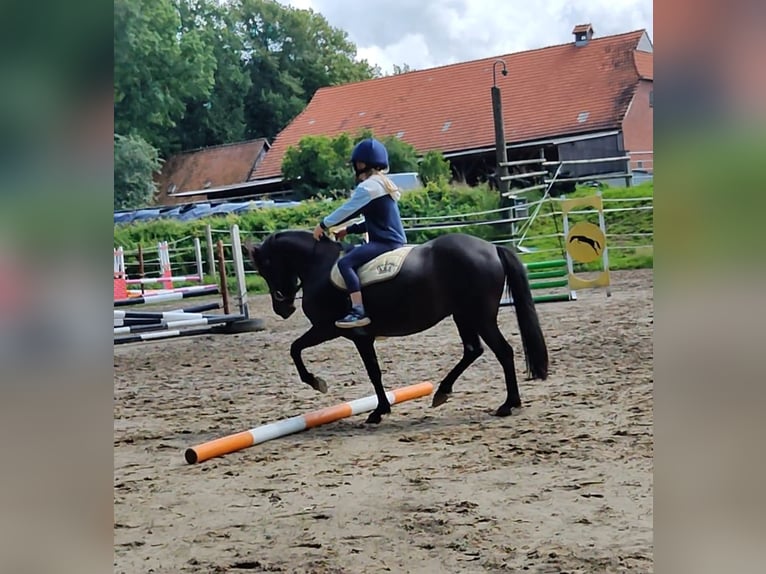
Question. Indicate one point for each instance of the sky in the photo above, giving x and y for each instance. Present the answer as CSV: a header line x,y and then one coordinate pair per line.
x,y
429,33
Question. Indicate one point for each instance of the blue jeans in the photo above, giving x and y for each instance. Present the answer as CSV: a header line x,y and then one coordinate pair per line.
x,y
358,256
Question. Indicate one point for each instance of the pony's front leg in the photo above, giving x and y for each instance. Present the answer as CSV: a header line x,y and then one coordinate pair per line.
x,y
310,338
366,348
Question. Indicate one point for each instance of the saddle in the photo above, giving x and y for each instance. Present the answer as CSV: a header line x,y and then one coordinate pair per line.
x,y
382,268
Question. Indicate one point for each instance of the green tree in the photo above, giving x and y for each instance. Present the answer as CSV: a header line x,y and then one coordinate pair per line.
x,y
402,157
158,66
434,168
220,116
318,165
135,162
290,54
195,73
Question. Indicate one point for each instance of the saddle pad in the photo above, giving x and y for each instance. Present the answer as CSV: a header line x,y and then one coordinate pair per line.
x,y
382,268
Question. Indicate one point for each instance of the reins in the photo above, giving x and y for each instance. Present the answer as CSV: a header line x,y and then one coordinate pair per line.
x,y
279,295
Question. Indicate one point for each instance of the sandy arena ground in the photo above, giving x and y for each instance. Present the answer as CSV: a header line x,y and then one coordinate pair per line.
x,y
564,486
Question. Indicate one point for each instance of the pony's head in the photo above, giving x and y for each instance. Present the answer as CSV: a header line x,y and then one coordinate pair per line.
x,y
274,267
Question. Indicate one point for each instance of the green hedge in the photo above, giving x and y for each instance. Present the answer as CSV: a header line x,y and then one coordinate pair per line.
x,y
449,201
432,201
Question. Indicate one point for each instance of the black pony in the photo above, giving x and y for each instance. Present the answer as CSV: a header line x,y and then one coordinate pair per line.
x,y
454,274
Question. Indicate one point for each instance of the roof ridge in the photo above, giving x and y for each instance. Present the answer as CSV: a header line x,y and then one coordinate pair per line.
x,y
475,60
219,146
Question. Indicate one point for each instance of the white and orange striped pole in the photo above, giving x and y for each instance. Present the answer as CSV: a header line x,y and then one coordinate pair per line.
x,y
166,270
120,283
257,435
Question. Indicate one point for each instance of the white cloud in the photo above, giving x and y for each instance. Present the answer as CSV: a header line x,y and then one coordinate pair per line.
x,y
302,4
398,53
427,33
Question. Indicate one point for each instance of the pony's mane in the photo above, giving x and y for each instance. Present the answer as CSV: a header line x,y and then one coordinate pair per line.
x,y
299,234
286,233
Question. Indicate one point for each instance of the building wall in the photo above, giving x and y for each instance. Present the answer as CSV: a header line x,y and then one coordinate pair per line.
x,y
594,148
638,127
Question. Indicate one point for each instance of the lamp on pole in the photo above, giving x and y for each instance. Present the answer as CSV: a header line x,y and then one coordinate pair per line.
x,y
497,111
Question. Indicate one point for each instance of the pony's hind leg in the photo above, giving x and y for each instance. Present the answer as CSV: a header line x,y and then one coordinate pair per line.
x,y
472,350
491,334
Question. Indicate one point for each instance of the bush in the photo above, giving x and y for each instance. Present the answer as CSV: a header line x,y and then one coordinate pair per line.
x,y
135,162
319,165
441,199
417,206
434,168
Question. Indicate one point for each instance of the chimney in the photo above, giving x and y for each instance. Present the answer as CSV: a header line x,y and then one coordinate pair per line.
x,y
582,33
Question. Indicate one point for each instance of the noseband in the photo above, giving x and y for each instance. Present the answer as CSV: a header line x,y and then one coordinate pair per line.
x,y
280,297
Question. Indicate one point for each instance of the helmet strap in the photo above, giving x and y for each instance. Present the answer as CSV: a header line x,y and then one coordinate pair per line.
x,y
360,172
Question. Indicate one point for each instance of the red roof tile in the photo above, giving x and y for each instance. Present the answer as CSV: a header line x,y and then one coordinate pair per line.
x,y
564,89
210,167
645,64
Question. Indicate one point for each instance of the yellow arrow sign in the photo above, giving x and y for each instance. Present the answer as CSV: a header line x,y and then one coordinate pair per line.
x,y
585,242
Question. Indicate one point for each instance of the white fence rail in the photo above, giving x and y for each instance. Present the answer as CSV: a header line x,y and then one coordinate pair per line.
x,y
184,258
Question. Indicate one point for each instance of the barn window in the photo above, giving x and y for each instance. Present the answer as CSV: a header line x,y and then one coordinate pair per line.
x,y
651,99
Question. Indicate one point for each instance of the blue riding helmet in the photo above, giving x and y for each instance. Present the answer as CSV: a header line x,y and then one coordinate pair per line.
x,y
372,153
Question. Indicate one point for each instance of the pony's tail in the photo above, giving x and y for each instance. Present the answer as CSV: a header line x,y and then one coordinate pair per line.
x,y
535,350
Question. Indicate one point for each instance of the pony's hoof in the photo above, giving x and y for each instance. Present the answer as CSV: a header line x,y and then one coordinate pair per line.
x,y
377,415
318,383
504,411
439,399
374,418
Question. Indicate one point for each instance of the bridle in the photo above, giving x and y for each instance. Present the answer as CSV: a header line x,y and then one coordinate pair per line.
x,y
280,297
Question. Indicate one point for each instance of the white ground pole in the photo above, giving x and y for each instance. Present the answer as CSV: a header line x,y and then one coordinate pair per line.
x,y
175,296
169,318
